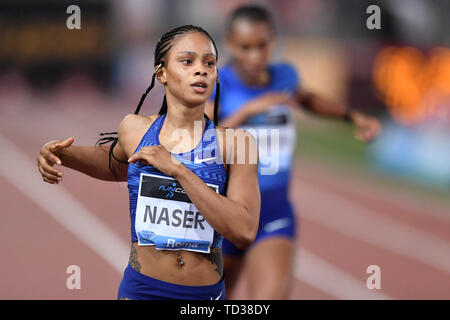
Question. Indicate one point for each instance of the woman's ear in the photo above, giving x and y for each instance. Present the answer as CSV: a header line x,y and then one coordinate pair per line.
x,y
161,74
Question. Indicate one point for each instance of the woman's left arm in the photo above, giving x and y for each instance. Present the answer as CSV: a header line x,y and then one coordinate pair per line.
x,y
236,215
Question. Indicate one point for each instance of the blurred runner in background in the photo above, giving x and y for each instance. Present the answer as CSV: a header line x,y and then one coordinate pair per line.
x,y
260,95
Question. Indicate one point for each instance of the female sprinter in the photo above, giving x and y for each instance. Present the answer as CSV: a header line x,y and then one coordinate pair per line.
x,y
181,203
258,94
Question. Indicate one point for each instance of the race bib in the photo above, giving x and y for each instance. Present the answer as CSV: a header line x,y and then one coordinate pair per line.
x,y
166,217
275,134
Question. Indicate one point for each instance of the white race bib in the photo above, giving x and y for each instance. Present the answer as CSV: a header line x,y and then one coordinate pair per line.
x,y
166,217
279,124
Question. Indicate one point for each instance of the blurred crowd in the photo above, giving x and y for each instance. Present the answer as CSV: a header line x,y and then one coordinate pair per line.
x,y
400,72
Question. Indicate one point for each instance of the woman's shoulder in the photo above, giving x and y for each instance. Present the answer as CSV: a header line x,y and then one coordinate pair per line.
x,y
135,122
131,130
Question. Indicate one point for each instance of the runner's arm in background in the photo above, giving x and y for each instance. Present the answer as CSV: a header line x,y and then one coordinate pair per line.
x,y
252,107
367,127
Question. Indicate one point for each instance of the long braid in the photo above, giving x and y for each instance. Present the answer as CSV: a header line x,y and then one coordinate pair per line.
x,y
162,47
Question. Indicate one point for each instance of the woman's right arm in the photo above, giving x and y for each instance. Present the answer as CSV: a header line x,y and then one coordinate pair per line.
x,y
90,160
94,160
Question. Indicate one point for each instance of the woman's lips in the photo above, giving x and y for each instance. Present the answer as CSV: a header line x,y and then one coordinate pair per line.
x,y
199,88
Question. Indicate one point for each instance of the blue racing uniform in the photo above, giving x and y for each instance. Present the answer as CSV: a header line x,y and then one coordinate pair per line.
x,y
275,133
162,215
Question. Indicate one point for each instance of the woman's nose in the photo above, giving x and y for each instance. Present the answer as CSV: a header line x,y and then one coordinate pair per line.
x,y
201,73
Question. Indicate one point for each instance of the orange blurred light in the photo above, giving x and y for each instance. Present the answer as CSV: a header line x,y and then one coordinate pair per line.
x,y
412,85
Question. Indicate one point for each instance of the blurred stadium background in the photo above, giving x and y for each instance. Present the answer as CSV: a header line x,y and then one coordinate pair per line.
x,y
384,204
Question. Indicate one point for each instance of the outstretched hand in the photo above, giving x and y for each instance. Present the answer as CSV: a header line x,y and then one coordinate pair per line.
x,y
49,155
367,127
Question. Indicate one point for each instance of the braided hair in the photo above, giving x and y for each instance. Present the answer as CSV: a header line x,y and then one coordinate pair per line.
x,y
162,48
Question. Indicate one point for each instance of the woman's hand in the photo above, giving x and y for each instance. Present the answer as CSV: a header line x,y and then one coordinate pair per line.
x,y
159,157
49,155
367,127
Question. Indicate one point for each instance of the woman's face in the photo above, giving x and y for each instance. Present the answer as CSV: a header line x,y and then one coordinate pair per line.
x,y
190,71
251,44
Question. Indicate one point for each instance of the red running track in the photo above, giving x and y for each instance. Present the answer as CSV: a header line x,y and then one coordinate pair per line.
x,y
347,222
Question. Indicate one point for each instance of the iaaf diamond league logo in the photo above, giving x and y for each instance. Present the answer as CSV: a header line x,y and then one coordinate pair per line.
x,y
241,146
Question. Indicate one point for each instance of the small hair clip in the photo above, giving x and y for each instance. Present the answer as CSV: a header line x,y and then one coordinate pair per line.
x,y
158,67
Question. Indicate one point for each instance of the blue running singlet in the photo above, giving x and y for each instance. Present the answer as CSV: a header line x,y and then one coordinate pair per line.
x,y
277,217
161,212
274,167
162,215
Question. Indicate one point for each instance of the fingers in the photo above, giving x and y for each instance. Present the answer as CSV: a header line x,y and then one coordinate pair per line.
x,y
50,143
361,136
367,128
49,181
372,131
46,162
47,159
146,154
366,135
50,178
136,157
42,164
132,159
67,143
53,148
50,157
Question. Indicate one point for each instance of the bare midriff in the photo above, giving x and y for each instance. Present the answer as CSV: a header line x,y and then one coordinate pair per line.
x,y
178,266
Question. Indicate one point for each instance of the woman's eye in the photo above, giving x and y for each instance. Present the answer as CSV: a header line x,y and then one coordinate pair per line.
x,y
186,61
210,64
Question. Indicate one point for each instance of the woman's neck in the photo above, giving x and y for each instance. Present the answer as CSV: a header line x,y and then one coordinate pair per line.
x,y
261,79
180,116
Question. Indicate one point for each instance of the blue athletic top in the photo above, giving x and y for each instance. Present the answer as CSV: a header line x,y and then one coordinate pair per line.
x,y
275,162
163,197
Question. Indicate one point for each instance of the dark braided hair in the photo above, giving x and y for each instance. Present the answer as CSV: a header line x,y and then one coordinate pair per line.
x,y
162,47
